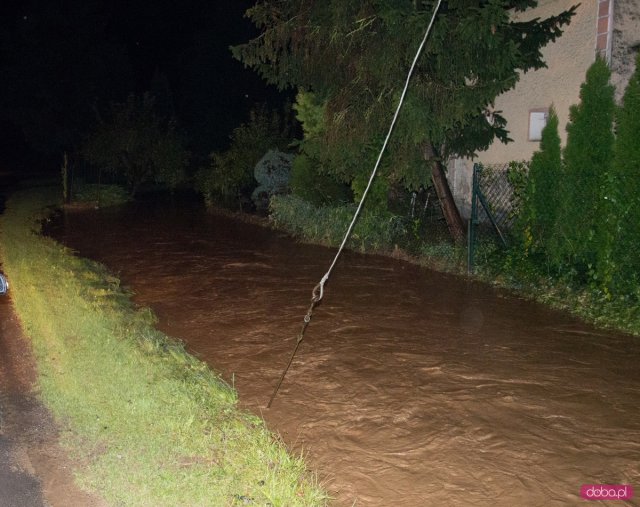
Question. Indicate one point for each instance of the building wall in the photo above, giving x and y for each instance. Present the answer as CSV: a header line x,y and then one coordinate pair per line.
x,y
625,42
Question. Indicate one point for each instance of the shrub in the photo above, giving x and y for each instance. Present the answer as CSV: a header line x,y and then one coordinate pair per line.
x,y
230,175
587,159
136,144
624,267
317,188
541,199
378,196
327,224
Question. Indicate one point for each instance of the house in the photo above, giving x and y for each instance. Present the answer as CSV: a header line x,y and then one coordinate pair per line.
x,y
610,28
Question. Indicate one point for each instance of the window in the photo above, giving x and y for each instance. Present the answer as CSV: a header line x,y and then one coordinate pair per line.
x,y
537,121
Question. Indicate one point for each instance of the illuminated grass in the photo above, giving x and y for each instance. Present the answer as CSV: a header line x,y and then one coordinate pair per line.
x,y
154,425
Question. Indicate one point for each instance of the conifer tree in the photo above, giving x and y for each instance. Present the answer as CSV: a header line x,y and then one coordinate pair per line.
x,y
354,56
625,259
587,162
542,197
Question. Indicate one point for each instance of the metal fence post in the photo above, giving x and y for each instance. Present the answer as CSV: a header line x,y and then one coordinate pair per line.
x,y
473,221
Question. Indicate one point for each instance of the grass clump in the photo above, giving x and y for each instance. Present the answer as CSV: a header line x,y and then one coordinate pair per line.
x,y
154,425
326,225
376,231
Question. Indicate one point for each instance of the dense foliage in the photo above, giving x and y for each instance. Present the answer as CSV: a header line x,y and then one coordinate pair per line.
x,y
137,144
582,210
623,273
374,231
353,56
541,196
229,178
587,161
315,187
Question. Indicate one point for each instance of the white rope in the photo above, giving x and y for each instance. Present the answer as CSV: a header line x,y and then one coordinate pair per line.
x,y
318,291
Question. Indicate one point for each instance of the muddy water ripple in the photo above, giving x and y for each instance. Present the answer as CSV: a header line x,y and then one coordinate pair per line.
x,y
412,388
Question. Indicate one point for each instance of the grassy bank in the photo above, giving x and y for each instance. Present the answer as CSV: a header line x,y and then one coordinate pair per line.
x,y
151,424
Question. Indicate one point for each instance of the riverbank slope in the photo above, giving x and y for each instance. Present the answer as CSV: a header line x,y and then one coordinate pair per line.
x,y
153,425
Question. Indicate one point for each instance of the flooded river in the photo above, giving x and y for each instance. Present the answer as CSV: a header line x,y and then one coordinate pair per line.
x,y
412,388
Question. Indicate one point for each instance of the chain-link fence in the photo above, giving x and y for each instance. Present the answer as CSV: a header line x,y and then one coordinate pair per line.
x,y
494,205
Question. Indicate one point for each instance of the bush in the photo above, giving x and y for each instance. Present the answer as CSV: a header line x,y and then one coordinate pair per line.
x,y
230,175
272,173
580,228
136,144
541,200
378,196
374,231
317,188
624,266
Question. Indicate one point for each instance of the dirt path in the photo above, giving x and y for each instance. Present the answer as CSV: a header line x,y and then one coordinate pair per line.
x,y
34,470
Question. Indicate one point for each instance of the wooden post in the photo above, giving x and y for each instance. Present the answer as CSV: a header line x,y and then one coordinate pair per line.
x,y
443,191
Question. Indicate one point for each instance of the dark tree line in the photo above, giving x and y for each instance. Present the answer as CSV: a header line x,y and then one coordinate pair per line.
x,y
63,62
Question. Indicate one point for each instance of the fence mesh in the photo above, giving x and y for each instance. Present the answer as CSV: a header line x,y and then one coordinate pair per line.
x,y
495,202
495,184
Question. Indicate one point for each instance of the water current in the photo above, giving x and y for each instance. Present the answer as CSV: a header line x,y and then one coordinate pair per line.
x,y
412,387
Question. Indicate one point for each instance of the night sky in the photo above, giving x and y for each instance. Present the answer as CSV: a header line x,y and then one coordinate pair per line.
x,y
63,60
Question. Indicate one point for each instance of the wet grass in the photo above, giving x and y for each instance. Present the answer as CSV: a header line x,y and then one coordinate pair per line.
x,y
151,424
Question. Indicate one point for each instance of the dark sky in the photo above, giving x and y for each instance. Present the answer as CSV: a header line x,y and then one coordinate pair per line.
x,y
58,56
165,34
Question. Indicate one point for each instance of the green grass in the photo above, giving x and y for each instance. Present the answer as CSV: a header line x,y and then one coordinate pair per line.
x,y
151,424
326,225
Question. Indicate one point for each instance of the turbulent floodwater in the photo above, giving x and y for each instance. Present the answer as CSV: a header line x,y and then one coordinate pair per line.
x,y
412,388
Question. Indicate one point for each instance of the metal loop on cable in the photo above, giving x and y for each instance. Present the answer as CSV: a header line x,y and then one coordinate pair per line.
x,y
317,292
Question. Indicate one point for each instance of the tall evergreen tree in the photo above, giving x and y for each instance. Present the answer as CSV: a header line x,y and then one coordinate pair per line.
x,y
354,55
625,261
542,198
587,163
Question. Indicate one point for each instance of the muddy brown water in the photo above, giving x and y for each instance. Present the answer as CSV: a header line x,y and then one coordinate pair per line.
x,y
412,388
